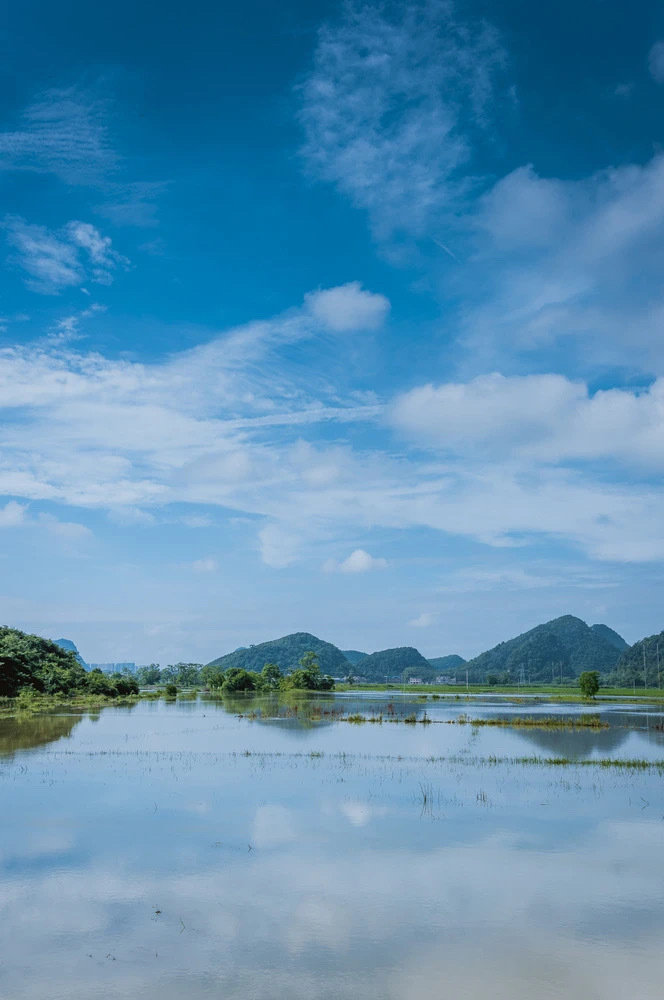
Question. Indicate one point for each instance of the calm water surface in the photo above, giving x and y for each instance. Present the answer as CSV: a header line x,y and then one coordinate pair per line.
x,y
179,850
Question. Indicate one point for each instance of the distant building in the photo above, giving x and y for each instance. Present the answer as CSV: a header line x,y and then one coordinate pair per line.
x,y
446,679
112,668
415,680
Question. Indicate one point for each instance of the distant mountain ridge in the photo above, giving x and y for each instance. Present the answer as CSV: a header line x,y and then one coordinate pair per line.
x,y
69,646
391,663
563,647
446,664
354,656
286,652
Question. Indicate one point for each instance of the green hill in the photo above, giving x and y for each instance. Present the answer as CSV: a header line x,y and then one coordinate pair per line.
x,y
390,664
30,661
446,664
354,656
562,648
610,636
286,653
642,664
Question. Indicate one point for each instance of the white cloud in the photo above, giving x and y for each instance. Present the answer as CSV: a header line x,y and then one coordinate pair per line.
x,y
425,620
509,464
566,260
53,260
388,104
544,417
278,546
63,132
12,514
348,307
205,565
358,561
656,62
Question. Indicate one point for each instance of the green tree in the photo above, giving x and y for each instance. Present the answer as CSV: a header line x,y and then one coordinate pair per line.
x,y
589,683
308,676
271,676
237,679
212,677
148,675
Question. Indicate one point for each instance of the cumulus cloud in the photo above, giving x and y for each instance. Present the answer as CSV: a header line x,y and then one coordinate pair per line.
x,y
348,307
545,417
55,260
358,561
12,514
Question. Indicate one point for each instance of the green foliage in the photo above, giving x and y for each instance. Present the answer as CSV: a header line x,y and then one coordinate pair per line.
x,y
212,677
641,665
391,663
30,661
149,675
610,636
354,656
171,690
554,652
446,664
308,676
237,679
271,677
286,654
589,683
32,664
182,674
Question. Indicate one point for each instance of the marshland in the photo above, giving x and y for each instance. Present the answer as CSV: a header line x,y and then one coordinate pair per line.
x,y
262,845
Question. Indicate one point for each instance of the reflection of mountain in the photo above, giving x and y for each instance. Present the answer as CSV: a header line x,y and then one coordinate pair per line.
x,y
574,742
23,733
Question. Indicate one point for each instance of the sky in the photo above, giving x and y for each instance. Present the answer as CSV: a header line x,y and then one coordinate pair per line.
x,y
333,317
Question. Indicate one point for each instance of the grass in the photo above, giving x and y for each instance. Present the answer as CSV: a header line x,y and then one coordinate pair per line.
x,y
552,692
535,722
32,702
538,722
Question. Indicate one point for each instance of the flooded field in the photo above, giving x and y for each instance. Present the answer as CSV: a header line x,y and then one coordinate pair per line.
x,y
254,848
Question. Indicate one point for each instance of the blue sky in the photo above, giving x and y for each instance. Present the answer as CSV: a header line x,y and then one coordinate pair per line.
x,y
343,318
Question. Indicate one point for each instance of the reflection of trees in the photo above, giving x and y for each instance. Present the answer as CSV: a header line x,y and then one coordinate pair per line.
x,y
574,742
25,732
299,711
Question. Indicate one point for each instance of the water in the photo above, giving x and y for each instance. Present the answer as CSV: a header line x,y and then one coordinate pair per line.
x,y
177,850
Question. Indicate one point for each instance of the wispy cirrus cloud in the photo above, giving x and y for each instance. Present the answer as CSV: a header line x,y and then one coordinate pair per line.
x,y
207,427
390,105
65,258
64,132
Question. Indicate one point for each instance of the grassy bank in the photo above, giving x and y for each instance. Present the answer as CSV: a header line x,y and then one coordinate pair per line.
x,y
549,692
32,702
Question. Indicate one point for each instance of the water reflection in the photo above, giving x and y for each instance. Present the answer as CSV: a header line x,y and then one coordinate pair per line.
x,y
181,851
23,732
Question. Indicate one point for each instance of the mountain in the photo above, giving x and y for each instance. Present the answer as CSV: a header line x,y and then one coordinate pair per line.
x,y
390,664
560,648
71,648
286,653
446,664
354,656
641,664
610,636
